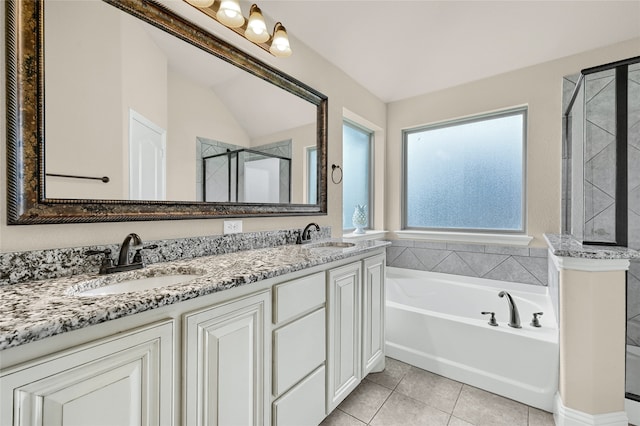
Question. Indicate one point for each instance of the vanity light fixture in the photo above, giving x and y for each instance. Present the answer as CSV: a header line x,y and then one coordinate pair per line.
x,y
254,29
280,44
229,14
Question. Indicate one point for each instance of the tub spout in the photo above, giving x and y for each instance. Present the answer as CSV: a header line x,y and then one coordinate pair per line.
x,y
514,315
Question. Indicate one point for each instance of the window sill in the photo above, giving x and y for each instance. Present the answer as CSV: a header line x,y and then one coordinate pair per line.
x,y
466,237
368,235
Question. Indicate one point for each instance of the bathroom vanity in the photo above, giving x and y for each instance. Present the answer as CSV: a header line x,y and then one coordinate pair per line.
x,y
270,336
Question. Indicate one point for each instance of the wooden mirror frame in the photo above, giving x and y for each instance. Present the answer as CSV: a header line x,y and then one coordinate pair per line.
x,y
26,201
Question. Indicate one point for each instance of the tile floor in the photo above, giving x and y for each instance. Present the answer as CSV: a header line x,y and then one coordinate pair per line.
x,y
404,395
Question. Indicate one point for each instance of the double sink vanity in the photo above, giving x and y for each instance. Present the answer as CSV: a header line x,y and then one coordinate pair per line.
x,y
277,335
213,331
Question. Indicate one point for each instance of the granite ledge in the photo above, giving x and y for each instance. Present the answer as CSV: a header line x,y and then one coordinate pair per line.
x,y
563,245
35,310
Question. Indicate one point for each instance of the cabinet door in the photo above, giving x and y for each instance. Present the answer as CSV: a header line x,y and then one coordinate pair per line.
x,y
373,304
226,371
343,358
128,380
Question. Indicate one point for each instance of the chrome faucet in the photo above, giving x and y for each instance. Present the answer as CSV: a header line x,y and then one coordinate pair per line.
x,y
305,236
514,315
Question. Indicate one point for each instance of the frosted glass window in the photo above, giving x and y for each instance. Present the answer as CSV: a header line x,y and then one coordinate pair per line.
x,y
466,175
356,182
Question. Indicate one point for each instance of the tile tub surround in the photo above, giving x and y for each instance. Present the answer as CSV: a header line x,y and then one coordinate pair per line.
x,y
35,310
503,263
19,267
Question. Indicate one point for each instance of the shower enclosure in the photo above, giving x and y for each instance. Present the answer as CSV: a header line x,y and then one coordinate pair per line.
x,y
601,175
248,176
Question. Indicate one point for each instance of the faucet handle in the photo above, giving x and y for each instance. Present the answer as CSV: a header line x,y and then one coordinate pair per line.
x,y
492,320
137,257
107,262
106,252
535,322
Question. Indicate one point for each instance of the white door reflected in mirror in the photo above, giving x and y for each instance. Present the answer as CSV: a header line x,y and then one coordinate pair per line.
x,y
147,165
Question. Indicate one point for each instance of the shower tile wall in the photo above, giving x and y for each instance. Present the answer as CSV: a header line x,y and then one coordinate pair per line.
x,y
600,157
568,86
516,264
217,169
633,276
633,138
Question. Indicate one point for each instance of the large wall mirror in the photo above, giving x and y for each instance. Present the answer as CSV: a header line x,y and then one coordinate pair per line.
x,y
121,110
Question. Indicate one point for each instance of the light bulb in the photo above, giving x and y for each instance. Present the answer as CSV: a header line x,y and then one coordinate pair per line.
x,y
280,45
230,14
200,3
256,28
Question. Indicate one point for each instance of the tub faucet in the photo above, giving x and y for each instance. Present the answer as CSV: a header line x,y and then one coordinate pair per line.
x,y
514,315
305,236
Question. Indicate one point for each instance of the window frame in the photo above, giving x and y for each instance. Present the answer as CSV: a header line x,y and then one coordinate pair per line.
x,y
519,110
371,167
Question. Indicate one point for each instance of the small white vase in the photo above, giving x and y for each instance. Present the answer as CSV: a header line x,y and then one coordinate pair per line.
x,y
359,219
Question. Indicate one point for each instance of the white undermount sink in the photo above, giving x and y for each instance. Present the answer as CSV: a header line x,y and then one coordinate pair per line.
x,y
138,284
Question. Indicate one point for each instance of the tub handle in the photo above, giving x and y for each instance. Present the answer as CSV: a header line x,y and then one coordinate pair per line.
x,y
535,322
492,320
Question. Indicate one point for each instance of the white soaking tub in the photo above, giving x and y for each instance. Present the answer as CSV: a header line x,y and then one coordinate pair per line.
x,y
433,322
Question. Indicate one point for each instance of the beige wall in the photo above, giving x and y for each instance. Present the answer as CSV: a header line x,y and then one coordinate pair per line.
x,y
592,341
306,66
86,122
539,87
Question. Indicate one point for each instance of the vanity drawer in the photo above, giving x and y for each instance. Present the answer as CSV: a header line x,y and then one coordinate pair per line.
x,y
298,349
304,404
296,297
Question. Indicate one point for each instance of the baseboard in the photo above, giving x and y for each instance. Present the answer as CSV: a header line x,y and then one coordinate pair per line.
x,y
565,416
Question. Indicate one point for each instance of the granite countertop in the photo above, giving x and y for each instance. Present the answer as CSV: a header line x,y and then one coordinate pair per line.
x,y
568,246
34,310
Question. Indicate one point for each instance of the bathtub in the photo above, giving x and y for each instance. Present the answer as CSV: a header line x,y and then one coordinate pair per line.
x,y
433,322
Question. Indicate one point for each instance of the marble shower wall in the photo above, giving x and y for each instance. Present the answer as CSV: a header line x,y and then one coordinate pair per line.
x,y
504,263
633,153
633,138
600,156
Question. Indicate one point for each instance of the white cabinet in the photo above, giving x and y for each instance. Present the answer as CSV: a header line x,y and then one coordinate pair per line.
x,y
327,331
226,366
373,304
123,380
304,404
299,351
344,327
356,305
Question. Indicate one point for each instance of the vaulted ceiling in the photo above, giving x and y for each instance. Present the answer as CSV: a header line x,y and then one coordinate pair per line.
x,y
402,48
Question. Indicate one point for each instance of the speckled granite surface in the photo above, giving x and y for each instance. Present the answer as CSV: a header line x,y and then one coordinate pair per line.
x,y
19,267
568,246
34,310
